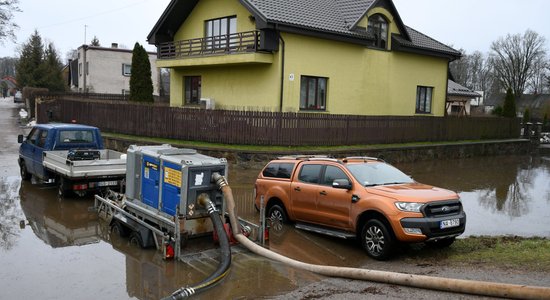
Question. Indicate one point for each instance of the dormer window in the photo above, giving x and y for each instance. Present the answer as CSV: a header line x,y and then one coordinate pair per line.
x,y
378,26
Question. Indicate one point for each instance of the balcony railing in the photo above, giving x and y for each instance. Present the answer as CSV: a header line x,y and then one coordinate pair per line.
x,y
241,42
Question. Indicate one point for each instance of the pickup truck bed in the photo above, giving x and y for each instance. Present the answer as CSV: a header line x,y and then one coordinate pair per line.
x,y
110,163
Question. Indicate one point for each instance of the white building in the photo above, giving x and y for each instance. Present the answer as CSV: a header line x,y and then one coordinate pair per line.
x,y
106,70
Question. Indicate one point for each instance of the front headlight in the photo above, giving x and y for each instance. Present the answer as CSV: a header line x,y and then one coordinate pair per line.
x,y
409,206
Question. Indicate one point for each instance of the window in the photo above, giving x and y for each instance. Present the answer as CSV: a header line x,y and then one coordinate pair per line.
x,y
313,93
310,173
217,32
87,68
41,141
192,89
80,69
278,170
332,173
378,26
126,69
76,136
125,92
424,99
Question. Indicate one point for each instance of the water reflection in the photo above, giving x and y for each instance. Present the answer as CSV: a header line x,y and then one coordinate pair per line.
x,y
9,212
495,190
57,222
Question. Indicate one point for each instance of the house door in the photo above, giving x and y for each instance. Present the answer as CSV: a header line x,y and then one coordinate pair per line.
x,y
192,89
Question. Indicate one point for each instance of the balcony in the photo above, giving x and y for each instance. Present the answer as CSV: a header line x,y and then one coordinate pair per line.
x,y
242,47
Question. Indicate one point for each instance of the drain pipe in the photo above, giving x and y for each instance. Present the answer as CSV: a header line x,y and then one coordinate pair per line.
x,y
419,281
225,261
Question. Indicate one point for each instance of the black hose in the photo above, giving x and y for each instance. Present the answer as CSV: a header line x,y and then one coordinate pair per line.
x,y
225,260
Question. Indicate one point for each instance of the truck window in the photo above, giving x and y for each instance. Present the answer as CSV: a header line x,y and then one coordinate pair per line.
x,y
310,173
278,170
332,173
41,141
76,136
33,135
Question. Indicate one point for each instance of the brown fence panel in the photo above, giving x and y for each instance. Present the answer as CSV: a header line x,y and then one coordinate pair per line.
x,y
269,128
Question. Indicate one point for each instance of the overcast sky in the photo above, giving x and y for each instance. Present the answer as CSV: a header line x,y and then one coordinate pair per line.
x,y
468,24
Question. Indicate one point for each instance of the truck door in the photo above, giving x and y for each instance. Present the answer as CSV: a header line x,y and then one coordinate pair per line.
x,y
150,181
40,143
304,191
28,148
333,205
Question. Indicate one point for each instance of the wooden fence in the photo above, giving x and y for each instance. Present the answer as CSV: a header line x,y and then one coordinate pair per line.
x,y
270,128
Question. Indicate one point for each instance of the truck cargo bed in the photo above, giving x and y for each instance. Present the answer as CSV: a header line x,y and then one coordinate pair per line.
x,y
109,164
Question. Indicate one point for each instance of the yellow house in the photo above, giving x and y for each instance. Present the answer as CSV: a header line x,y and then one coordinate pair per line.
x,y
353,57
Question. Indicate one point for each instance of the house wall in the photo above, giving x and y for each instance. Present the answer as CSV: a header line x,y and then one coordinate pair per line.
x,y
105,71
361,80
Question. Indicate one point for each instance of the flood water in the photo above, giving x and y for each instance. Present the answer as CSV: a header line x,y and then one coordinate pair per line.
x,y
52,248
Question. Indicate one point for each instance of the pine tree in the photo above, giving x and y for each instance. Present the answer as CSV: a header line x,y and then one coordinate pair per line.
x,y
38,66
526,116
141,84
509,109
95,42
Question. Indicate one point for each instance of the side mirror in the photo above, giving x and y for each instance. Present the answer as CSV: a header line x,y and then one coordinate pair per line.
x,y
341,184
20,138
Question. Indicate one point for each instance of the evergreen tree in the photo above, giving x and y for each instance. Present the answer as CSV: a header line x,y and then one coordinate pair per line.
x,y
141,84
38,66
95,42
509,109
27,69
526,116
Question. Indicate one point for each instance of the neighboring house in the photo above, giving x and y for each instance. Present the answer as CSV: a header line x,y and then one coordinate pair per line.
x,y
335,56
459,99
8,86
106,70
538,104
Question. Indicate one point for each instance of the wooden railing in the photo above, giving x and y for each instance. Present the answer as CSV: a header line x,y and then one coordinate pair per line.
x,y
247,41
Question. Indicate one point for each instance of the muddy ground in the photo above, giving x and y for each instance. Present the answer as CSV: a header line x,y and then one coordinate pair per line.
x,y
252,277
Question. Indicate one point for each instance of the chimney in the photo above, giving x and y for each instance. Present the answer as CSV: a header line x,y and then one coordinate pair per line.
x,y
114,45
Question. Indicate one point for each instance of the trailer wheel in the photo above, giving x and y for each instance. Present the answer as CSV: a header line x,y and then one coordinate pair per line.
x,y
119,229
136,240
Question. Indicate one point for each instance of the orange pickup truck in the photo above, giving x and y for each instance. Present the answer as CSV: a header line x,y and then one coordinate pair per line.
x,y
358,197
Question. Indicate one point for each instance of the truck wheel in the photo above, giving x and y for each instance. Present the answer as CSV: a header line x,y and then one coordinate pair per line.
x,y
136,240
277,217
377,240
440,244
25,175
62,190
119,229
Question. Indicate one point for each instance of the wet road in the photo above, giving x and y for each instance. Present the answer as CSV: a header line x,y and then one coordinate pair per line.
x,y
54,248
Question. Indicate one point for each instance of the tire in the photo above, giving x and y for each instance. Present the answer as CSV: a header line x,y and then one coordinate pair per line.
x,y
277,217
377,240
25,175
136,240
119,229
62,190
440,244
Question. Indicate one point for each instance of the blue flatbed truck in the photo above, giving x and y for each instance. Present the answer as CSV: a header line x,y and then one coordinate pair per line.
x,y
72,156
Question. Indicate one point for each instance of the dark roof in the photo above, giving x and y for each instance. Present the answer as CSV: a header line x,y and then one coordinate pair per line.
x,y
9,83
336,19
455,89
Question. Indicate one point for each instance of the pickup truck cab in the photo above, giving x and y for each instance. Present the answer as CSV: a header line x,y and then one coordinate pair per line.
x,y
358,197
57,141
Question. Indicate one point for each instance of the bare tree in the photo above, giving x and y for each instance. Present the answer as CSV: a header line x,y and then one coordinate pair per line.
x,y
538,84
474,72
7,26
513,59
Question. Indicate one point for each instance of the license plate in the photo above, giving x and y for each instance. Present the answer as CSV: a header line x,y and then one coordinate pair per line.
x,y
449,223
107,183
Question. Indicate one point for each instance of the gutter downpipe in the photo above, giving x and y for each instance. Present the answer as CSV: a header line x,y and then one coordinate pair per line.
x,y
473,287
282,70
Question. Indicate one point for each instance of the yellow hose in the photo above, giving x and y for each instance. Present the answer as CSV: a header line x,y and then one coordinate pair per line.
x,y
483,288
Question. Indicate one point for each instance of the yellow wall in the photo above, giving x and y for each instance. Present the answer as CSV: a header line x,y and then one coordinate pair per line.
x,y
361,80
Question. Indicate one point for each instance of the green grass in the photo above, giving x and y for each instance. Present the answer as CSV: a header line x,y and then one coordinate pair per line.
x,y
507,252
194,144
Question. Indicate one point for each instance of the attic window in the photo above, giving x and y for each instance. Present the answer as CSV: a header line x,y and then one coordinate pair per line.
x,y
378,26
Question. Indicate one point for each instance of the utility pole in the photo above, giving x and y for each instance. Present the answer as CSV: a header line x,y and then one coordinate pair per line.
x,y
85,27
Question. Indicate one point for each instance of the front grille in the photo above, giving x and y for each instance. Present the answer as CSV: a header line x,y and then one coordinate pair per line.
x,y
442,208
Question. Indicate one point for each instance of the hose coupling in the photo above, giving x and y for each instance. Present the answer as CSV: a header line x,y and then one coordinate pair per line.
x,y
183,293
219,180
204,200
